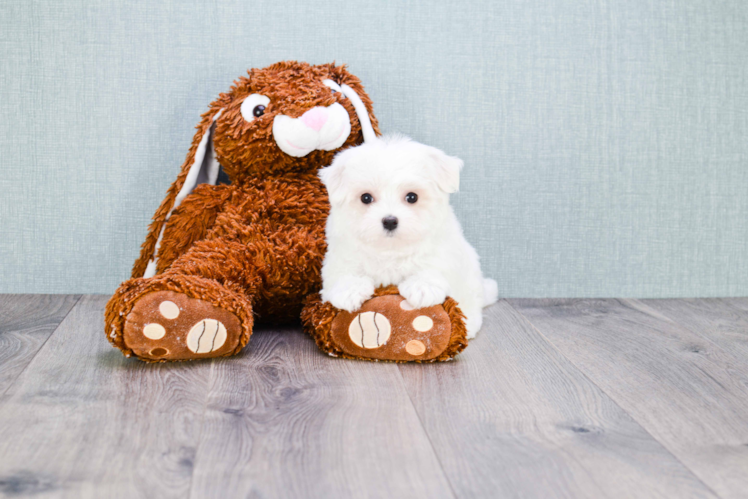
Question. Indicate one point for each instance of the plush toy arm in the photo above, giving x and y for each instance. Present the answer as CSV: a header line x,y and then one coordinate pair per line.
x,y
191,221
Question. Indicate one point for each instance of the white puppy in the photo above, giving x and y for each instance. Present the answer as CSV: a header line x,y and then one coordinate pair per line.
x,y
391,223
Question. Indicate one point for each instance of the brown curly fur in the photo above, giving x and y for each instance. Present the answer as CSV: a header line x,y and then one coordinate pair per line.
x,y
317,318
247,150
253,247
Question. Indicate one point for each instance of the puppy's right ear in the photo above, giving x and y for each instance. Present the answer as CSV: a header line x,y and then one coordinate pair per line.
x,y
446,170
332,177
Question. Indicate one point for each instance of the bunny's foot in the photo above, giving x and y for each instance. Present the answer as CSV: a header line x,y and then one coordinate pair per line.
x,y
387,328
162,319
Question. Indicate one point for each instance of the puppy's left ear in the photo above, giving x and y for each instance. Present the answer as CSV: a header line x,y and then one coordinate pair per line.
x,y
446,170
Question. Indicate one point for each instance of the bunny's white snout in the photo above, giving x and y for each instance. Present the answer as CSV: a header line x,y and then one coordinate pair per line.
x,y
325,128
315,118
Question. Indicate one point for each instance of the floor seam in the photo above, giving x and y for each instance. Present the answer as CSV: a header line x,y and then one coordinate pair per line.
x,y
426,432
13,383
613,400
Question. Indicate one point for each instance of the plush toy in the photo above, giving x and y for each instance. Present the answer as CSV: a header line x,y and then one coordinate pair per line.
x,y
240,235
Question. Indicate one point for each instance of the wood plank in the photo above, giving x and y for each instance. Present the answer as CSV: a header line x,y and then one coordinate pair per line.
x,y
739,303
288,421
724,322
511,417
678,385
83,421
26,322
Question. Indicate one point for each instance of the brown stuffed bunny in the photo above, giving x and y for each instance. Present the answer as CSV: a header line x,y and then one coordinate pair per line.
x,y
219,255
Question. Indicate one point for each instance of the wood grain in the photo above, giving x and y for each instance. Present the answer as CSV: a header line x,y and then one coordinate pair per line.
x,y
83,421
723,322
541,409
285,420
26,322
679,386
511,417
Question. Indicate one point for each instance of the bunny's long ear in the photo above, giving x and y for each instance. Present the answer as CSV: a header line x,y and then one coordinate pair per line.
x,y
350,86
200,167
361,112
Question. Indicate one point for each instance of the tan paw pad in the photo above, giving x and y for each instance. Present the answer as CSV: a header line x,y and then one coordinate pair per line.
x,y
370,330
154,331
168,309
415,347
207,335
405,306
423,324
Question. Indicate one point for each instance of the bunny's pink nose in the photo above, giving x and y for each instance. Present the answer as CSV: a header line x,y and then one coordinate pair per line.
x,y
315,118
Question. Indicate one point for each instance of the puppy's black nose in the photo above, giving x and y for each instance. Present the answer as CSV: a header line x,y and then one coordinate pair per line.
x,y
390,223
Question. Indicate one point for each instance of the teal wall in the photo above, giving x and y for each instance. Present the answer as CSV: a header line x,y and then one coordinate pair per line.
x,y
605,142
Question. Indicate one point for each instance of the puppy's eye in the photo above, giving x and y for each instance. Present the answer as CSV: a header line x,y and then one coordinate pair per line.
x,y
366,198
411,198
254,106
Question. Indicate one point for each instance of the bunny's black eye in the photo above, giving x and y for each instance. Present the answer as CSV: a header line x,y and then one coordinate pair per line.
x,y
254,106
366,198
411,198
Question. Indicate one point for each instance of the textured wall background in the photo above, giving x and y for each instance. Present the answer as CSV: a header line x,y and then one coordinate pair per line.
x,y
605,142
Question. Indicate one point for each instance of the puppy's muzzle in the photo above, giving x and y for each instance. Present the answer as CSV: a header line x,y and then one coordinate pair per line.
x,y
389,223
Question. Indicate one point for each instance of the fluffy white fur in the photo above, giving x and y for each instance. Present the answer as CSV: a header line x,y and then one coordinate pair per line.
x,y
426,256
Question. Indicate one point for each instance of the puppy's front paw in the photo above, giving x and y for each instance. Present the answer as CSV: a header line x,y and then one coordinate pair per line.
x,y
420,293
349,293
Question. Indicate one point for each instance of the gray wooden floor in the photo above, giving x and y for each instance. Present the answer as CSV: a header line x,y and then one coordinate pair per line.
x,y
555,398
